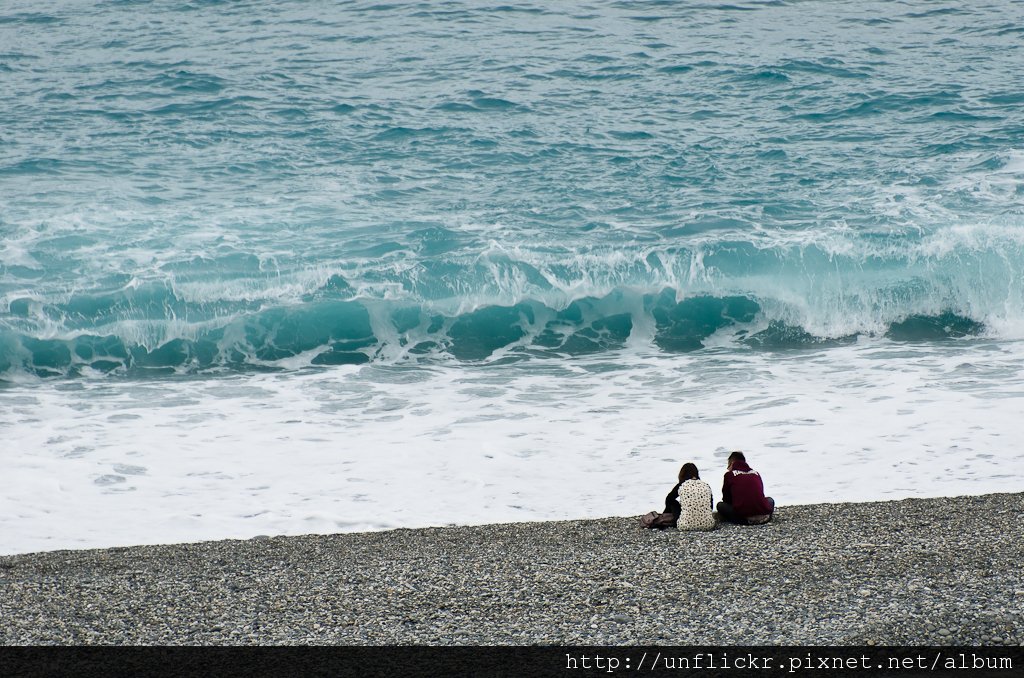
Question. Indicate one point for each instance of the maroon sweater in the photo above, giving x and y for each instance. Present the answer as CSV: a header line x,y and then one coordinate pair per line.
x,y
744,490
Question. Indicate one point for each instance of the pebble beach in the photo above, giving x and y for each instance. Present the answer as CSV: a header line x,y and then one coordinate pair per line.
x,y
939,571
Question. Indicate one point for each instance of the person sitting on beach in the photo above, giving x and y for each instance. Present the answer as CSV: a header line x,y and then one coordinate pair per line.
x,y
695,501
689,504
743,499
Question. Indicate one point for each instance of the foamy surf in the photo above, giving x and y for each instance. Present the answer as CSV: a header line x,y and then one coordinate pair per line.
x,y
376,447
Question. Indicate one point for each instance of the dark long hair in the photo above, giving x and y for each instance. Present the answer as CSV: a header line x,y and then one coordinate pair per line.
x,y
688,472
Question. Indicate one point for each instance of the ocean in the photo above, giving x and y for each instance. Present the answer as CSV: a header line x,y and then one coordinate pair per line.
x,y
307,267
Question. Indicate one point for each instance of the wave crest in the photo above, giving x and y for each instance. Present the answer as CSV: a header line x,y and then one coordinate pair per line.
x,y
780,291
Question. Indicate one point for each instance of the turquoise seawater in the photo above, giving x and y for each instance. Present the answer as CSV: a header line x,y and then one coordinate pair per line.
x,y
200,187
307,266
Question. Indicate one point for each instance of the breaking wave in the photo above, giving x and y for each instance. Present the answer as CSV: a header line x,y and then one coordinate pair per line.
x,y
501,305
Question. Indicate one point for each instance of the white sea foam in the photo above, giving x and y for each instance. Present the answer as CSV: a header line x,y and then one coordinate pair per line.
x,y
102,463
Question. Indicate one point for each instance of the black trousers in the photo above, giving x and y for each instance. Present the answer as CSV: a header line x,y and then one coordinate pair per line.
x,y
727,512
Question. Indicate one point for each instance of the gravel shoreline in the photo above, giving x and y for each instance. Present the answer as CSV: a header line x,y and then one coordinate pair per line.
x,y
941,571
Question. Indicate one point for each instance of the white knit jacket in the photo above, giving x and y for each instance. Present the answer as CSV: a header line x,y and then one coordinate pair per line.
x,y
695,500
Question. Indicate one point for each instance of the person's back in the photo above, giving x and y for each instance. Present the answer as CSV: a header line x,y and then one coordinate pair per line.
x,y
687,506
743,499
696,504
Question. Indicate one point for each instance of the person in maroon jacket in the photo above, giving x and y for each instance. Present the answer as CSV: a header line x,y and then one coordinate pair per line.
x,y
743,499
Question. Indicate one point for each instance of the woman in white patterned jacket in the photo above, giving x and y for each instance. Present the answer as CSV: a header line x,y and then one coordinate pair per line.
x,y
695,501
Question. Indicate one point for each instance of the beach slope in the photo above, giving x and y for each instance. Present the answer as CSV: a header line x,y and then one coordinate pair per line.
x,y
916,571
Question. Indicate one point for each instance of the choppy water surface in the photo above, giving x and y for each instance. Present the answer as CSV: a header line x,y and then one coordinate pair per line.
x,y
289,267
